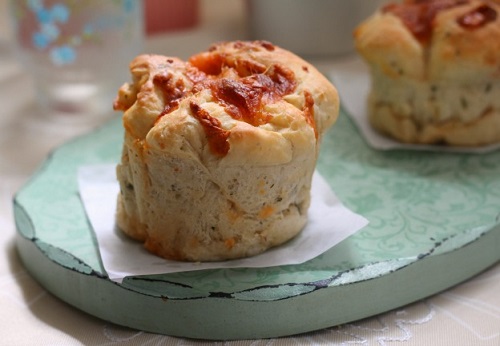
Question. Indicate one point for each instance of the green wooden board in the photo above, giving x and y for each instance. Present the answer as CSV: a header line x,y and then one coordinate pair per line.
x,y
434,222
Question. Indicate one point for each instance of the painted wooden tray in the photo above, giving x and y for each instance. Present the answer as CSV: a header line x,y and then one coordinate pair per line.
x,y
434,221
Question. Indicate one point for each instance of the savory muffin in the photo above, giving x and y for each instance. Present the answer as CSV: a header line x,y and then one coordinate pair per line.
x,y
219,151
435,70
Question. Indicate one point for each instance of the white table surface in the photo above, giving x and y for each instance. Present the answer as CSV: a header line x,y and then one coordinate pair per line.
x,y
468,314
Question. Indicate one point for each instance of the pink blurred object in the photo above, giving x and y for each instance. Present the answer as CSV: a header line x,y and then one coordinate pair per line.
x,y
170,15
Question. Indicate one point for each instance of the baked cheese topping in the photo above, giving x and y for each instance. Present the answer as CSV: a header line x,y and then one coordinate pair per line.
x,y
242,86
418,15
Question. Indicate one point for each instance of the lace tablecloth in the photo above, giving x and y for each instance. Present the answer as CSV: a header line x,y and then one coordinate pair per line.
x,y
468,314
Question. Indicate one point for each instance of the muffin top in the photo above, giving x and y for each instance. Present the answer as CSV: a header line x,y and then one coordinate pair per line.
x,y
239,102
450,40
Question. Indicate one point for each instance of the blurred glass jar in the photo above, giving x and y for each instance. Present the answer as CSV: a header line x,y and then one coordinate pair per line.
x,y
78,52
309,27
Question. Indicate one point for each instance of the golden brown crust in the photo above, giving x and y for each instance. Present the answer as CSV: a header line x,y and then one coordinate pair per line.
x,y
220,150
445,88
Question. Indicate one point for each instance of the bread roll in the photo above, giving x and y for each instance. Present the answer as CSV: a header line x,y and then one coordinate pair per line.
x,y
435,70
219,151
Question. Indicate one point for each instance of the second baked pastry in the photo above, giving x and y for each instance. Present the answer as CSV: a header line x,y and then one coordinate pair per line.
x,y
435,68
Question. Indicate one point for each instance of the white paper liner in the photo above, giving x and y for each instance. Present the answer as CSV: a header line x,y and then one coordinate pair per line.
x,y
329,223
352,79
